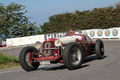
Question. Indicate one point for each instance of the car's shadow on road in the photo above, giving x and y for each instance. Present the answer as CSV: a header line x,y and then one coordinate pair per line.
x,y
62,66
91,58
53,68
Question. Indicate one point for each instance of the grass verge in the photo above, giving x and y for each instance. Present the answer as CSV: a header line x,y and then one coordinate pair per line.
x,y
7,61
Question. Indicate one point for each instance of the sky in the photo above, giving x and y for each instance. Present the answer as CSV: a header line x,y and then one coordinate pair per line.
x,y
41,10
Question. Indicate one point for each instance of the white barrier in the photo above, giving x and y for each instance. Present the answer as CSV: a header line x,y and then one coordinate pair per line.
x,y
24,40
103,33
93,33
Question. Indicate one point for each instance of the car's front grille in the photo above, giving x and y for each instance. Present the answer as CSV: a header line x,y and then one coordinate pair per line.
x,y
48,49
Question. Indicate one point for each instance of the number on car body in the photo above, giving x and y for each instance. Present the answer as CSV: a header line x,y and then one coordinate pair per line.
x,y
47,52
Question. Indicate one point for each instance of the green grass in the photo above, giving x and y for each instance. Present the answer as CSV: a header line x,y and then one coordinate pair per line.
x,y
7,61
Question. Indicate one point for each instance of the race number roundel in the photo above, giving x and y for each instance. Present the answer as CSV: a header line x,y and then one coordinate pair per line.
x,y
115,32
107,32
92,33
85,33
99,33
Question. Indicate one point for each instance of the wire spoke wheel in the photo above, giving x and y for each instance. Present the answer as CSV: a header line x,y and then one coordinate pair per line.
x,y
29,59
26,60
75,55
99,49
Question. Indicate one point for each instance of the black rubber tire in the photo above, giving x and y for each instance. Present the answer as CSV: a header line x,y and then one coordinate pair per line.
x,y
67,59
99,49
24,64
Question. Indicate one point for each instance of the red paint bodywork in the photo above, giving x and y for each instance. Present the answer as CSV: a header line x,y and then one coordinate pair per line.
x,y
57,50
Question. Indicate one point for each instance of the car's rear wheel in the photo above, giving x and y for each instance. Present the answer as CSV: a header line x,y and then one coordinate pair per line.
x,y
73,56
25,58
99,49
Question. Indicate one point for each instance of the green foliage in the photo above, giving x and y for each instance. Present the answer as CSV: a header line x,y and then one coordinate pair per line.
x,y
38,31
18,31
97,18
6,59
25,32
31,31
10,15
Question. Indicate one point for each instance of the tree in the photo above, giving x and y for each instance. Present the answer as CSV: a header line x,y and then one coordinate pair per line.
x,y
31,31
10,15
16,31
25,31
97,18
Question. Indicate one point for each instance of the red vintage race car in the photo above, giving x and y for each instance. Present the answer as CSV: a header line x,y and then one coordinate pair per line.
x,y
70,50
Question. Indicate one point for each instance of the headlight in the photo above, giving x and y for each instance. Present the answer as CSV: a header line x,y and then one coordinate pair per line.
x,y
57,43
38,44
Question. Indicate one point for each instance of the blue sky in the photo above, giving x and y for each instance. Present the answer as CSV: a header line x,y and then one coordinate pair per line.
x,y
41,10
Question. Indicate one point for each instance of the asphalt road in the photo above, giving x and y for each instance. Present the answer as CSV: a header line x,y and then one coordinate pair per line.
x,y
92,69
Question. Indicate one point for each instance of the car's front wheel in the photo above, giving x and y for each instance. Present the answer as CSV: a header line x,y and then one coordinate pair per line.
x,y
73,56
25,58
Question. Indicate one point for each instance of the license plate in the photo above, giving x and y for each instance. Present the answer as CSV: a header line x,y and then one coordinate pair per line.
x,y
44,62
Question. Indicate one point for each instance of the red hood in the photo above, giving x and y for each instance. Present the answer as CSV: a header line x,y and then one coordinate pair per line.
x,y
51,39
